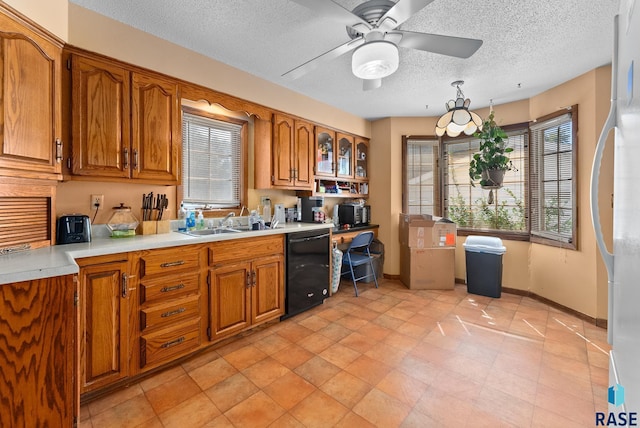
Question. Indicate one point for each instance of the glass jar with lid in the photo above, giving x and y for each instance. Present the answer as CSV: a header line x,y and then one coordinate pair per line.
x,y
122,222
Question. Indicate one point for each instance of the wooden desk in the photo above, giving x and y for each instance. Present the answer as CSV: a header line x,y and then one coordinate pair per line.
x,y
346,236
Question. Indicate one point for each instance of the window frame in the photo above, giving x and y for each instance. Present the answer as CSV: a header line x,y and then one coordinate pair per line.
x,y
511,235
437,176
548,239
244,154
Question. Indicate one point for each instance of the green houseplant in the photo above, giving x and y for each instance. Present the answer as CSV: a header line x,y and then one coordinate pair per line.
x,y
491,162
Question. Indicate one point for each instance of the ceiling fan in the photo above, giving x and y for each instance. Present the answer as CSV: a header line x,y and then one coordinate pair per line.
x,y
375,38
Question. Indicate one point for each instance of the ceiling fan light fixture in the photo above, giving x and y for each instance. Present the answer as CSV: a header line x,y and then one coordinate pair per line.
x,y
458,118
375,60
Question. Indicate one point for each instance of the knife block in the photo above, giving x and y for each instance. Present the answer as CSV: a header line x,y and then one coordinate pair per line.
x,y
163,226
148,227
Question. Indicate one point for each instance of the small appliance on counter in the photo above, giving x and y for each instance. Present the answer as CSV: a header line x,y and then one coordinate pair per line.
x,y
354,214
73,228
122,222
310,206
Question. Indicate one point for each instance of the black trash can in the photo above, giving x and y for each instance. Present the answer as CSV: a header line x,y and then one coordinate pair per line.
x,y
483,256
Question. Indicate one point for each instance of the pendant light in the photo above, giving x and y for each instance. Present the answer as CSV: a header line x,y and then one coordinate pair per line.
x,y
458,118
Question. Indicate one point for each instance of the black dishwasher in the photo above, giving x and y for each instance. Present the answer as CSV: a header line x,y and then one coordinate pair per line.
x,y
307,270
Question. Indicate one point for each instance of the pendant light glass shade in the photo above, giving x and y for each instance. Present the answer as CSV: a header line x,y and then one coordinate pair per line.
x,y
458,118
375,60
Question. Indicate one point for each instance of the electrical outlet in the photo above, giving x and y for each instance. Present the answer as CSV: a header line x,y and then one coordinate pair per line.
x,y
97,201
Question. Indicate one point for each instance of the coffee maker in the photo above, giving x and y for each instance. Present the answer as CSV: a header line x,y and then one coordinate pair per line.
x,y
311,204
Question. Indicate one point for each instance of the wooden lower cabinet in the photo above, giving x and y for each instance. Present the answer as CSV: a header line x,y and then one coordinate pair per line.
x,y
245,290
104,320
37,353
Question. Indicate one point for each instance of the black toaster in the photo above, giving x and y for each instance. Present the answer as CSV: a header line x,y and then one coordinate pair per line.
x,y
73,228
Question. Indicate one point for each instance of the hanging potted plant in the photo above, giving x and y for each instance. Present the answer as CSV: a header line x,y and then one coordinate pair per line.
x,y
491,162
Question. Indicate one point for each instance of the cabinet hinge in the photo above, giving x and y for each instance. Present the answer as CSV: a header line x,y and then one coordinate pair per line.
x,y
273,179
69,163
209,332
69,64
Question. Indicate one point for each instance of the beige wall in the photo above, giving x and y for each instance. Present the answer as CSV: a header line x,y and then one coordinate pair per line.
x,y
576,279
50,14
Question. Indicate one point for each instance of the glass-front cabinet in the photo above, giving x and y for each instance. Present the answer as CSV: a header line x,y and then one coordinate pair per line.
x,y
362,157
345,156
325,152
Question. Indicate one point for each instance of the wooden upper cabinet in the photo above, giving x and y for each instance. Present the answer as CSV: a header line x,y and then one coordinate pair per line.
x,y
325,151
101,137
156,129
303,155
30,90
344,157
292,153
125,122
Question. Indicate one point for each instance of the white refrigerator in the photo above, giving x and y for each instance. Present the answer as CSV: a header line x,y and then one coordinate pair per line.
x,y
623,262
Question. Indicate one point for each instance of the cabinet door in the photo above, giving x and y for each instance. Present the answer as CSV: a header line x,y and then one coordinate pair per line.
x,y
104,326
267,291
283,135
362,159
156,143
325,152
229,299
303,155
37,353
101,111
30,94
344,157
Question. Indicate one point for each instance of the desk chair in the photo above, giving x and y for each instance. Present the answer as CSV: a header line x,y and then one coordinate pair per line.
x,y
358,255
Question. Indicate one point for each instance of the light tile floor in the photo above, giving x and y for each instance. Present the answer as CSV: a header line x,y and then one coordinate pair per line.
x,y
392,357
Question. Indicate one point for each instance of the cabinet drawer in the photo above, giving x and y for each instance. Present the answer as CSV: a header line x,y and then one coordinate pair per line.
x,y
245,249
166,314
166,344
164,262
161,289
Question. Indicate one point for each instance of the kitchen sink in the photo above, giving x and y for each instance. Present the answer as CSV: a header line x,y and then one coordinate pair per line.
x,y
217,231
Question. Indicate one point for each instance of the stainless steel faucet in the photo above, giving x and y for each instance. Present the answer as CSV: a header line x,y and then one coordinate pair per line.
x,y
222,222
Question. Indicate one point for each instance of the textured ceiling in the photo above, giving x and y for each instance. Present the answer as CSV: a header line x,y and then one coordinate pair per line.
x,y
529,46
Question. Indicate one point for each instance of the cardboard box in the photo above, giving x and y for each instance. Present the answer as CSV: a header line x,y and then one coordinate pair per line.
x,y
422,231
427,268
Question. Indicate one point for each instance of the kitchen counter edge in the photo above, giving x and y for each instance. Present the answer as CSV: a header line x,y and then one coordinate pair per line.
x,y
58,260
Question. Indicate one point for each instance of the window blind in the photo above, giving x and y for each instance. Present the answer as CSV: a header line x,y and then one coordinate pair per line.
x,y
553,179
211,161
421,176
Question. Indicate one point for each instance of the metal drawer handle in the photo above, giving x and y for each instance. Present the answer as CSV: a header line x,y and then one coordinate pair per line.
x,y
173,343
172,288
171,264
172,313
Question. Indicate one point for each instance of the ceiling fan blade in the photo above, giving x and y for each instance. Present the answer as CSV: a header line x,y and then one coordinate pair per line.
x,y
369,84
324,58
333,11
399,13
445,45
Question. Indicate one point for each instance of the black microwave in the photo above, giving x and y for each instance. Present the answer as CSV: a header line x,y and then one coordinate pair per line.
x,y
354,214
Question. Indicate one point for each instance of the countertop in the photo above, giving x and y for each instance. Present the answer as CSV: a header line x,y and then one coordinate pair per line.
x,y
59,260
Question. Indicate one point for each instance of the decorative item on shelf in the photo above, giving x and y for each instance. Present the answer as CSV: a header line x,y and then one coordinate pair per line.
x,y
458,118
491,162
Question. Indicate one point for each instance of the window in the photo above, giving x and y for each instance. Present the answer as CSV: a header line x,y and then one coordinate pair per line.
x,y
553,179
472,207
420,177
213,152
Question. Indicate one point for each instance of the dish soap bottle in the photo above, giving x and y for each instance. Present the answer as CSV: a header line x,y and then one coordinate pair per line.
x,y
182,216
200,222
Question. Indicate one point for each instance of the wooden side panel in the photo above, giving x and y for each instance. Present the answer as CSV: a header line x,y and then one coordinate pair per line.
x,y
37,321
156,144
101,110
262,153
